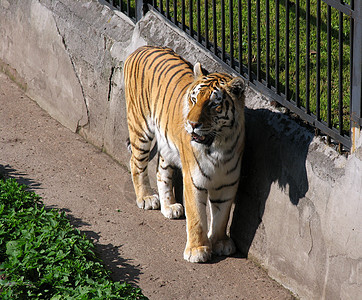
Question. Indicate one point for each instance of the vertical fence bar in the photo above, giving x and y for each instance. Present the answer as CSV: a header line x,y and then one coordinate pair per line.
x,y
231,30
222,30
161,7
168,9
258,77
307,58
183,18
198,6
191,17
207,24
129,8
267,59
249,42
277,46
214,25
340,74
175,12
297,53
329,67
121,6
351,24
318,64
240,36
356,110
286,49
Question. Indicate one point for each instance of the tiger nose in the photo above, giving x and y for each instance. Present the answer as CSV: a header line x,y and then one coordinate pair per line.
x,y
194,125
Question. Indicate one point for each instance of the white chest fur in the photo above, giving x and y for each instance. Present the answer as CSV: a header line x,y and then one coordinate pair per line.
x,y
216,167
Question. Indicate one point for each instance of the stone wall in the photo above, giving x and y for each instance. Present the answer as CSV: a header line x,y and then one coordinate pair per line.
x,y
299,207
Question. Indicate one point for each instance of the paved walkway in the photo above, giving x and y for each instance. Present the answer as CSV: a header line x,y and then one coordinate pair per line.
x,y
139,246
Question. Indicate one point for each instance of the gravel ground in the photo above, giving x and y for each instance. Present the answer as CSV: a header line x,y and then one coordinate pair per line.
x,y
141,247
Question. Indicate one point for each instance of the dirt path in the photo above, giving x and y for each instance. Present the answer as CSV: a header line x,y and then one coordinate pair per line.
x,y
139,246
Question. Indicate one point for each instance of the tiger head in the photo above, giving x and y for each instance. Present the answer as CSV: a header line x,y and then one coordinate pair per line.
x,y
215,104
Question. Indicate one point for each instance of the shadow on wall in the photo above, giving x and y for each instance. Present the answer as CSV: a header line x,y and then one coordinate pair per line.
x,y
276,150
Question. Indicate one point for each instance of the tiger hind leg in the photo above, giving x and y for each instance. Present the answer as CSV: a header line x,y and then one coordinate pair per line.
x,y
146,198
222,244
169,208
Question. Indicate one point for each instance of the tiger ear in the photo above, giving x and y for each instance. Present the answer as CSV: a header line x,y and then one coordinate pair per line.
x,y
197,70
236,86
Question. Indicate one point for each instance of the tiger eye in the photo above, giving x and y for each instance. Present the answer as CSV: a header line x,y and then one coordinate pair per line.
x,y
218,109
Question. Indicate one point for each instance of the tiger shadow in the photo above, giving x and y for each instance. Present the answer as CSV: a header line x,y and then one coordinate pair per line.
x,y
275,152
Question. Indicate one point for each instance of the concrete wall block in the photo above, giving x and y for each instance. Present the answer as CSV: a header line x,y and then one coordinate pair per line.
x,y
95,38
31,45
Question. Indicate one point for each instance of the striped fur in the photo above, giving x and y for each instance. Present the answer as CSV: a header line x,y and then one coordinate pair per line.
x,y
198,122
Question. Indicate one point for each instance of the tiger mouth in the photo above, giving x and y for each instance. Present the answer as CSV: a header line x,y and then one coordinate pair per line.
x,y
202,139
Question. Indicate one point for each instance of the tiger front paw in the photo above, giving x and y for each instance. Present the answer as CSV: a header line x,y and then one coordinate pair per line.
x,y
197,254
173,211
149,202
224,247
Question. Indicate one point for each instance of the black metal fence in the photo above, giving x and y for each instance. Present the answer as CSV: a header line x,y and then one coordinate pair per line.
x,y
305,54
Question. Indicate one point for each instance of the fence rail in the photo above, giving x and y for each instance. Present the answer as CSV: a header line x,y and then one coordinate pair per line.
x,y
305,54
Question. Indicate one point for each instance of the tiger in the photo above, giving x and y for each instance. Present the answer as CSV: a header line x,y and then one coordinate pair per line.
x,y
198,122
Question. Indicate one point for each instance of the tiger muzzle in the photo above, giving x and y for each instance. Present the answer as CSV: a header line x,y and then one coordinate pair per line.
x,y
202,139
193,127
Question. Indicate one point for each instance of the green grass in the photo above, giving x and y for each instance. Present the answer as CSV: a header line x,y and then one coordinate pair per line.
x,y
43,257
296,69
